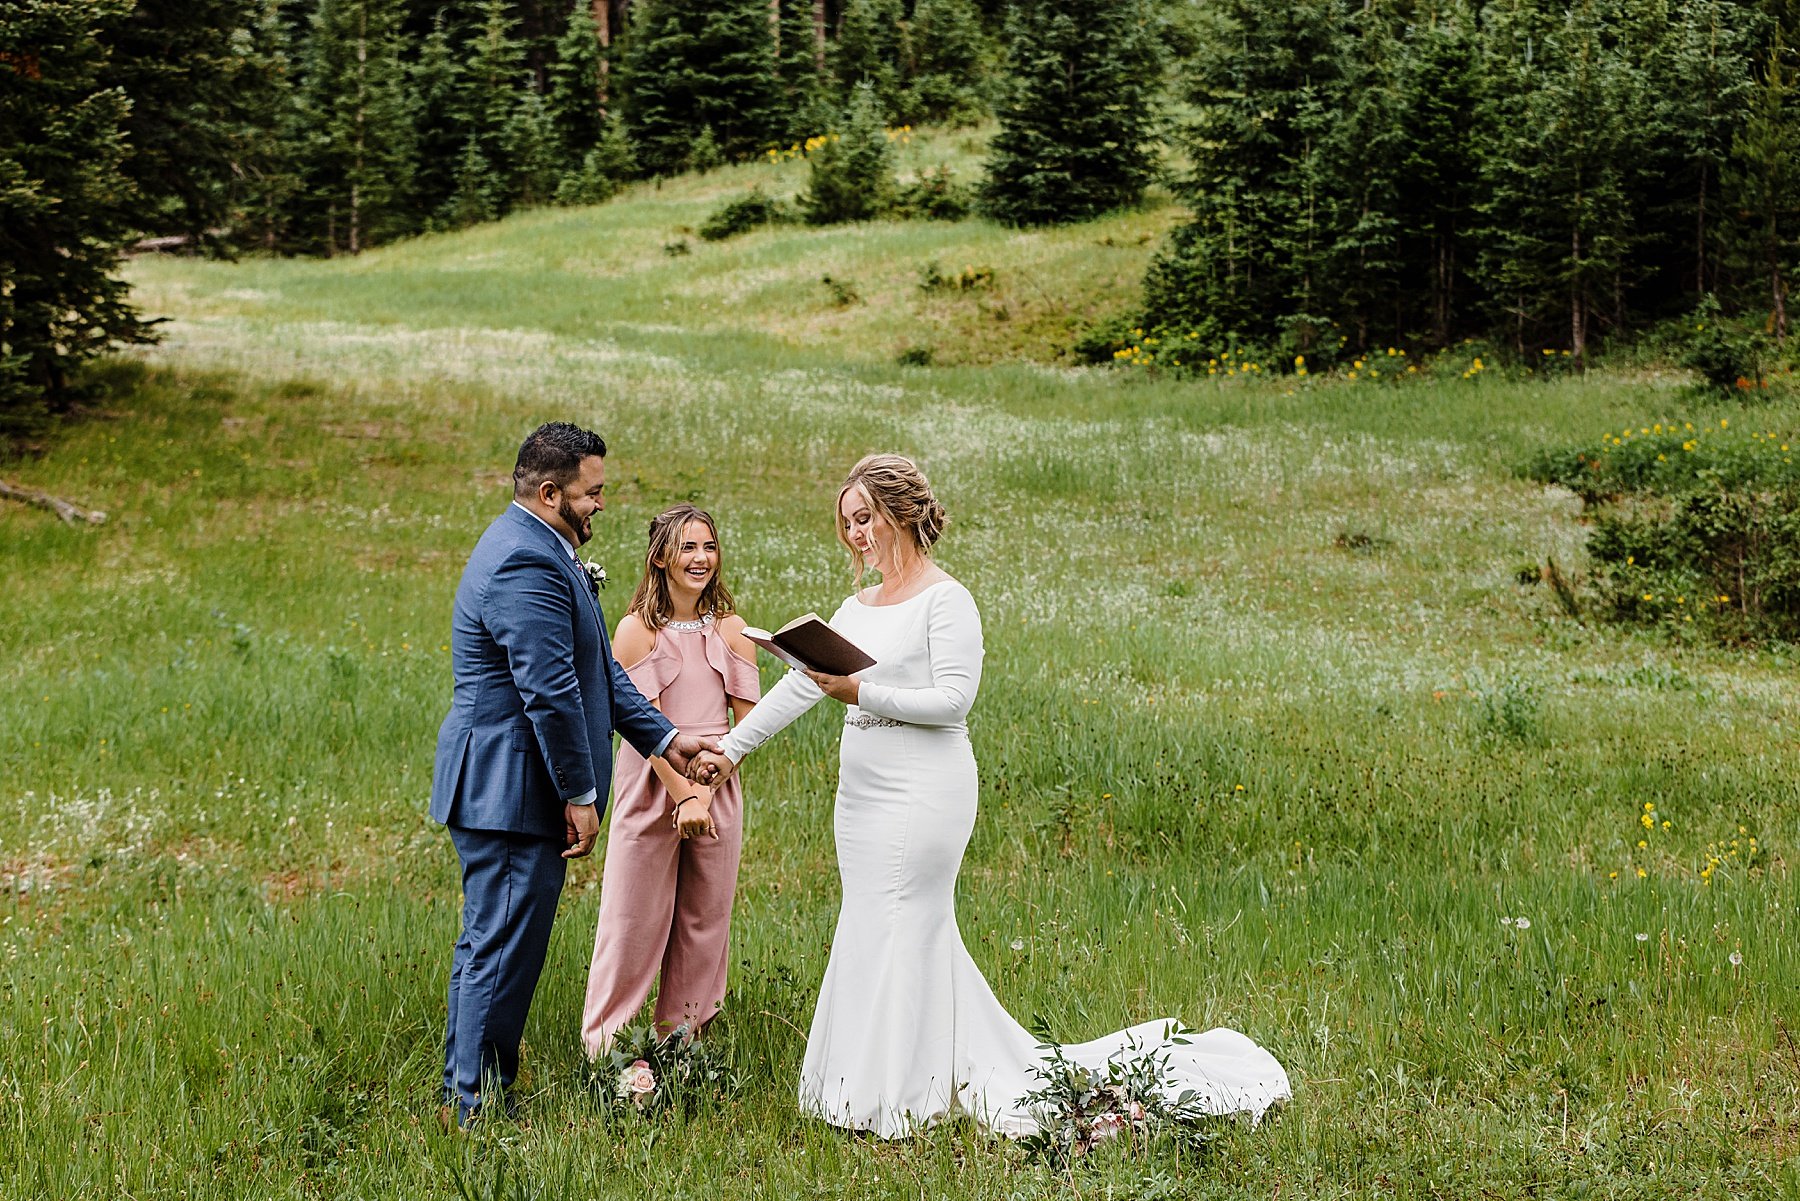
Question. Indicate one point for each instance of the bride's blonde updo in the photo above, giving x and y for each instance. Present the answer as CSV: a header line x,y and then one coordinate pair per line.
x,y
899,491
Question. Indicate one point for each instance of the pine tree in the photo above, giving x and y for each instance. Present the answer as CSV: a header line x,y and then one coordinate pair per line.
x,y
1263,87
1560,212
949,78
1437,168
1355,247
1764,179
491,84
705,154
1546,172
574,98
65,204
440,126
199,85
361,152
853,172
1699,87
872,49
533,148
603,171
737,59
275,136
1076,125
691,66
473,201
615,157
804,93
658,102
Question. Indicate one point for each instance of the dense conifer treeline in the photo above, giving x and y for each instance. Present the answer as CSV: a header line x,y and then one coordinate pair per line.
x,y
380,118
329,126
1538,172
1547,173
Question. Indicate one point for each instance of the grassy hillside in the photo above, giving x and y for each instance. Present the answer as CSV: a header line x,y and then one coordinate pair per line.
x,y
635,268
1270,734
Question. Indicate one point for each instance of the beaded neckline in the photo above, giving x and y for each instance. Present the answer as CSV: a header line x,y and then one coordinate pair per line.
x,y
685,626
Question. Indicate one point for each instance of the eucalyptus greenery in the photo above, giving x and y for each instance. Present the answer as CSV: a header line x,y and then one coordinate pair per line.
x,y
645,1073
1135,1098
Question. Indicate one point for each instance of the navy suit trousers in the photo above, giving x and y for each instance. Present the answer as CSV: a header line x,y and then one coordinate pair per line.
x,y
511,883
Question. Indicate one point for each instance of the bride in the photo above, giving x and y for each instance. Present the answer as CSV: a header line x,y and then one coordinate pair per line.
x,y
906,1028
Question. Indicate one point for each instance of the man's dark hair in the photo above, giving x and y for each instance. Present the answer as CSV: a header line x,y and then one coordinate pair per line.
x,y
553,451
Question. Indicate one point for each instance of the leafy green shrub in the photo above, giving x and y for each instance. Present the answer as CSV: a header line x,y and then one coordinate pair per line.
x,y
1727,359
1722,564
1670,460
935,196
915,356
969,279
750,211
592,184
843,292
1101,342
705,153
1509,709
1694,530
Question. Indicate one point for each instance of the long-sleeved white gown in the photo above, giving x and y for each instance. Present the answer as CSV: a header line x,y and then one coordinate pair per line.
x,y
906,1026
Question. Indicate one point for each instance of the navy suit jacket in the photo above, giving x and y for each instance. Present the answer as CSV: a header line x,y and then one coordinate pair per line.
x,y
537,691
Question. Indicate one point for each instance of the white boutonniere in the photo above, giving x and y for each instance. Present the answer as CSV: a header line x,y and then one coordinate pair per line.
x,y
596,574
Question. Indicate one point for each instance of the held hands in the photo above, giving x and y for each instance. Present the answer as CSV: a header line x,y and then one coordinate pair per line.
x,y
693,816
581,829
838,688
711,768
683,747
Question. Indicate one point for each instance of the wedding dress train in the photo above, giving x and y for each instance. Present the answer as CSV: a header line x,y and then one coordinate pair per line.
x,y
907,1029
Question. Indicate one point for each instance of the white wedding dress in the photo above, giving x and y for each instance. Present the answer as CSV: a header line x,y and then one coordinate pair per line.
x,y
906,1028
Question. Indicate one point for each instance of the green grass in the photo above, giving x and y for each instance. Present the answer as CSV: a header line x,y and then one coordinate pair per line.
x,y
1270,736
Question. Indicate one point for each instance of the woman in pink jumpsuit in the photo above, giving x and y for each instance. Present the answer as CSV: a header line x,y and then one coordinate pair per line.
x,y
672,851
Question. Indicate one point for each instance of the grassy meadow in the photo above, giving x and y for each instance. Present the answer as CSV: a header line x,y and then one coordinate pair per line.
x,y
1271,735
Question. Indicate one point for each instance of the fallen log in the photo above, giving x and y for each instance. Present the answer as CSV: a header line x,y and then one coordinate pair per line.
x,y
164,245
67,510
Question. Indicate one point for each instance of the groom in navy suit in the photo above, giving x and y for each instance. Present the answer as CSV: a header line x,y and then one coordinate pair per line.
x,y
524,758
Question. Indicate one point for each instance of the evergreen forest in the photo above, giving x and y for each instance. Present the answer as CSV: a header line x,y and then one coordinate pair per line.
x,y
1552,177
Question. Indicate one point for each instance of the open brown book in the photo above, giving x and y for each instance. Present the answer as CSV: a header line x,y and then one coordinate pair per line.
x,y
807,641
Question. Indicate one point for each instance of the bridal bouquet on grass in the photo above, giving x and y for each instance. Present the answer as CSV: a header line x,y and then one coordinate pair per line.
x,y
645,1073
1135,1099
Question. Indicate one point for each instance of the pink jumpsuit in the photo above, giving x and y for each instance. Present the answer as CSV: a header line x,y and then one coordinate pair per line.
x,y
665,902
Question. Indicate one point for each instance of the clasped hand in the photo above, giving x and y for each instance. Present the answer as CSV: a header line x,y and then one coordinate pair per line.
x,y
711,768
683,748
693,816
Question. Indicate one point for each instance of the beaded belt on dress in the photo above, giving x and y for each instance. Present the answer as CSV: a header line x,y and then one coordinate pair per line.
x,y
869,721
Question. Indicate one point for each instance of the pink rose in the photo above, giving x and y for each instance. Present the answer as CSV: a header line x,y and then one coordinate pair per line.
x,y
637,1082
